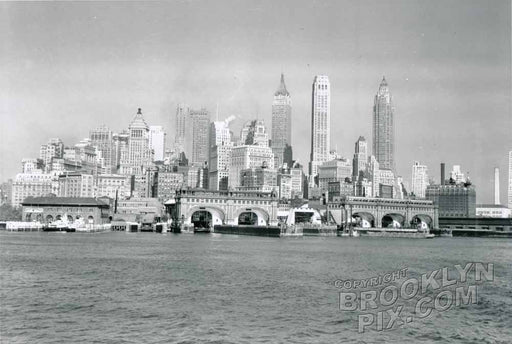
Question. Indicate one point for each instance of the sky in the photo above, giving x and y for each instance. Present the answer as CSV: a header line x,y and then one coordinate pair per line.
x,y
68,67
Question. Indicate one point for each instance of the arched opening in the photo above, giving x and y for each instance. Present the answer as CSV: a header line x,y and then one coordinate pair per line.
x,y
259,216
90,219
201,219
39,218
248,218
70,218
49,219
58,217
363,220
421,221
393,221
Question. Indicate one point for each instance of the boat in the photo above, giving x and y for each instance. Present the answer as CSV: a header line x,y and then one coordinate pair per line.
x,y
202,229
395,232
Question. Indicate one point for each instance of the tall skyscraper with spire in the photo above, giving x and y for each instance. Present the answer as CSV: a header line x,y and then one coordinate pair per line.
x,y
320,124
383,128
281,124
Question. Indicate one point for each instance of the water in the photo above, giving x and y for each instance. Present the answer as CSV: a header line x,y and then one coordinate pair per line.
x,y
154,288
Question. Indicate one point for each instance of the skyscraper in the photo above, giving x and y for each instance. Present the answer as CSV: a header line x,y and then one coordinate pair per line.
x,y
182,112
197,127
320,124
220,154
510,179
281,123
496,185
360,158
419,179
157,142
138,157
103,139
383,128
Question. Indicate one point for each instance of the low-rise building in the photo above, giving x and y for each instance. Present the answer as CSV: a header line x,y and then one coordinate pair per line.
x,y
49,209
493,210
134,209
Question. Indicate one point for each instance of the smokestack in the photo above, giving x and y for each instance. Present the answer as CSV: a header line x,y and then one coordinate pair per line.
x,y
496,185
442,174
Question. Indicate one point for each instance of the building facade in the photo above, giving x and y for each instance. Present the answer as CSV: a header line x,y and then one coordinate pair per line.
x,y
281,124
138,157
53,149
168,183
76,184
157,142
248,156
453,200
180,125
320,124
35,184
334,171
258,179
196,136
103,139
383,127
493,210
49,209
360,158
112,185
419,179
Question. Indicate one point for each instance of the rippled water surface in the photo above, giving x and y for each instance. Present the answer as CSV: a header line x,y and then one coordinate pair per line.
x,y
154,288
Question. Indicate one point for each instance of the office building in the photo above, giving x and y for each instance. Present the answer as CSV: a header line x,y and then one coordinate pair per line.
x,y
196,136
53,149
383,127
180,125
157,142
138,157
76,184
258,179
220,154
281,124
320,124
334,171
453,200
34,184
103,139
248,156
419,179
254,133
112,185
360,158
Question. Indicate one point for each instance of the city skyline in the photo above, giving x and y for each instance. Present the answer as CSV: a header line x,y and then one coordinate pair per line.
x,y
440,93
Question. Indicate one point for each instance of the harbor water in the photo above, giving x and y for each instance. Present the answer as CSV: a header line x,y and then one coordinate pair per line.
x,y
119,287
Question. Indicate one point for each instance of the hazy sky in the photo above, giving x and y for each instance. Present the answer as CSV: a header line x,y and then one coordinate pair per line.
x,y
68,67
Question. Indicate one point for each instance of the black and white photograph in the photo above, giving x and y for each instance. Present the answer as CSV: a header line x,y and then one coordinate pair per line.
x,y
243,171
